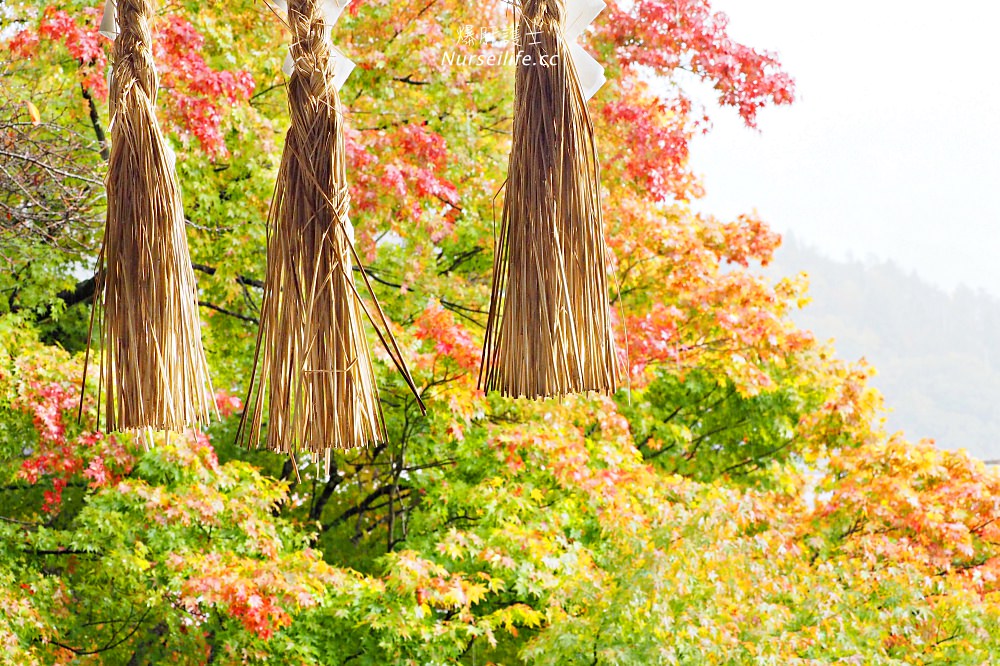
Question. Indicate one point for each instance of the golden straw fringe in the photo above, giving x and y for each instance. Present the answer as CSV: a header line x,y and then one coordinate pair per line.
x,y
312,362
549,331
153,372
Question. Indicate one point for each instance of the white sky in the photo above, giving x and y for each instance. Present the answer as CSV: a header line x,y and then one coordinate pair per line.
x,y
892,149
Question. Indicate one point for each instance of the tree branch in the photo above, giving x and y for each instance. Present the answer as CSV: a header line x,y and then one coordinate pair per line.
x,y
50,168
316,511
211,270
229,313
95,120
364,506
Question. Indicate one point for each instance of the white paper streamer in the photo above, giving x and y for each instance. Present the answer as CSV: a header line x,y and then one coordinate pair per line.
x,y
580,14
109,22
342,65
170,155
590,72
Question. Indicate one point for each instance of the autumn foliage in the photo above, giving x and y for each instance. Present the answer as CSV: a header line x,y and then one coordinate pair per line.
x,y
739,503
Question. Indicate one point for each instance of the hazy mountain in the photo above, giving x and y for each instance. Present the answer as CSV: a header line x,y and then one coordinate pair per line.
x,y
937,354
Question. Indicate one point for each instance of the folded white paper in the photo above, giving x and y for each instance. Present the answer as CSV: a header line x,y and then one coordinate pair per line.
x,y
589,71
109,22
171,156
580,14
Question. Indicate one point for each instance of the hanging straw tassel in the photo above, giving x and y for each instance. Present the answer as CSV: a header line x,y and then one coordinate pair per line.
x,y
312,353
549,330
153,368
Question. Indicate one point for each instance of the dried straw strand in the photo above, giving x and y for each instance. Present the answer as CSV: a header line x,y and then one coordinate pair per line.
x,y
549,330
313,362
153,368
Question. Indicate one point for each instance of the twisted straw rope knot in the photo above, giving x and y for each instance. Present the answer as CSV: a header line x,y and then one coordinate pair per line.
x,y
311,48
544,15
313,74
133,51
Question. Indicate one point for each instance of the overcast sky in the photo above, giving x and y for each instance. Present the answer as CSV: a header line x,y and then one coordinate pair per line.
x,y
892,149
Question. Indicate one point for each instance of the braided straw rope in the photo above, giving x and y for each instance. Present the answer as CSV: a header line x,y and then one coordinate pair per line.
x,y
549,330
313,360
153,368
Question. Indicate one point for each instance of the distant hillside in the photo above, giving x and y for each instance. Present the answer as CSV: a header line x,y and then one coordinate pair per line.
x,y
937,355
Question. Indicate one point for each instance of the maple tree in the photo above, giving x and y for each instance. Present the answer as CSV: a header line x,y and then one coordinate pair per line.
x,y
740,503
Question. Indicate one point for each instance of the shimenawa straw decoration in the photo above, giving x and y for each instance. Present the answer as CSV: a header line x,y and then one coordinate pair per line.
x,y
549,330
153,368
313,363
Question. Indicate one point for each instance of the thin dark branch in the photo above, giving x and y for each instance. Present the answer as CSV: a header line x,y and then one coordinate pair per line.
x,y
83,291
52,169
267,90
461,259
15,521
211,270
316,511
711,433
410,22
763,456
95,120
229,313
454,307
409,80
109,646
364,506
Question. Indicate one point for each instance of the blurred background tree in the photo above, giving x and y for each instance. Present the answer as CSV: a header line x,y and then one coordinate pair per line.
x,y
739,504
